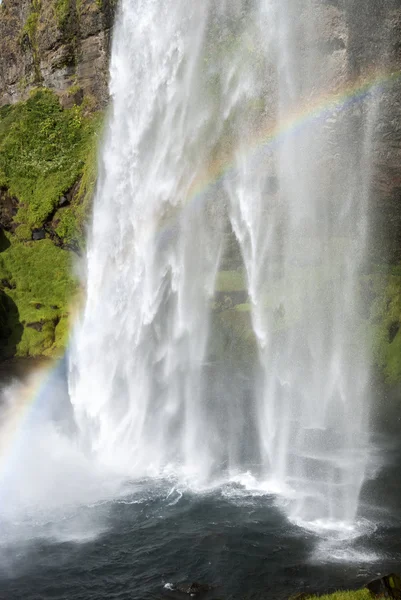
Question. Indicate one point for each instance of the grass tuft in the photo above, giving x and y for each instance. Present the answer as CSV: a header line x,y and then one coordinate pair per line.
x,y
363,594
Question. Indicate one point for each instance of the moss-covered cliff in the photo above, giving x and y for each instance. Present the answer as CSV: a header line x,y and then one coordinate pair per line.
x,y
53,89
47,175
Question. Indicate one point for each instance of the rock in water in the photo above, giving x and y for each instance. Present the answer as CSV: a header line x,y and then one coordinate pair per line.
x,y
194,588
301,596
388,586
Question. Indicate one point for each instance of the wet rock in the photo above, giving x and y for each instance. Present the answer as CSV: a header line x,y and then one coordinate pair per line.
x,y
71,52
393,330
300,596
38,234
225,300
5,283
73,97
272,185
194,588
388,586
63,201
8,209
37,325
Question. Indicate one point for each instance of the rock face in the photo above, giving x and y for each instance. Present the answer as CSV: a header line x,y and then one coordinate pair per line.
x,y
388,586
360,40
62,45
378,48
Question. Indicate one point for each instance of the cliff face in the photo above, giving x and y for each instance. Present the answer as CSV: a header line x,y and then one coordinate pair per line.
x,y
58,44
375,44
360,41
357,52
53,86
62,47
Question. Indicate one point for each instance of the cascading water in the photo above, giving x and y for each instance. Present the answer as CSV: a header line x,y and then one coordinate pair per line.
x,y
196,89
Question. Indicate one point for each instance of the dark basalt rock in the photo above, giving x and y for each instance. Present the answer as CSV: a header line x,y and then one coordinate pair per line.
x,y
393,330
388,586
8,209
300,596
193,589
4,283
37,325
272,185
38,234
226,300
63,201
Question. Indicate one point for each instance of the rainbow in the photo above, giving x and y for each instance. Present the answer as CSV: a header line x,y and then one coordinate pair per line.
x,y
21,401
314,110
267,136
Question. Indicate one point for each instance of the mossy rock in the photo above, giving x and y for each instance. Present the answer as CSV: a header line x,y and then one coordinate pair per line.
x,y
23,233
44,151
380,328
37,280
232,336
48,158
61,335
231,281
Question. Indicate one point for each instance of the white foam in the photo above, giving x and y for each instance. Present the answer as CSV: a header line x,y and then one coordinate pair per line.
x,y
342,551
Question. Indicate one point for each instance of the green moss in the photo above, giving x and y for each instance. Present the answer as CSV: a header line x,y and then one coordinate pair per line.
x,y
40,285
62,8
43,152
233,336
61,335
363,594
66,227
72,220
30,30
230,281
74,89
246,307
23,233
393,364
384,315
22,85
292,299
36,343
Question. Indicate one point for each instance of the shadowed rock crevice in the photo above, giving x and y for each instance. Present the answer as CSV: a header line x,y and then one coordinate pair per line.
x,y
11,327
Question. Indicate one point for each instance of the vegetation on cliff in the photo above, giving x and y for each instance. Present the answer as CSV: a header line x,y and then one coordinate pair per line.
x,y
47,176
43,151
48,160
381,326
37,280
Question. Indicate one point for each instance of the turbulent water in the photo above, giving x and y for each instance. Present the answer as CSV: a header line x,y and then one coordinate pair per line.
x,y
71,528
217,390
200,150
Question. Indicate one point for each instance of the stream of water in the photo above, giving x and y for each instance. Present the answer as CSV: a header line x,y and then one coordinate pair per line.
x,y
189,154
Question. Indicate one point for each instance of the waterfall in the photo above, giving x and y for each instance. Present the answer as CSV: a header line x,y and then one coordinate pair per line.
x,y
204,152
